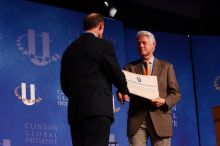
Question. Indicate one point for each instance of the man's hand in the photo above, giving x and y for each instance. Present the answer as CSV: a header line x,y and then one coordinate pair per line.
x,y
122,98
158,102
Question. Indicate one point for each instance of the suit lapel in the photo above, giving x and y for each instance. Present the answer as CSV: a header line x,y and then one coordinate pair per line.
x,y
139,68
156,67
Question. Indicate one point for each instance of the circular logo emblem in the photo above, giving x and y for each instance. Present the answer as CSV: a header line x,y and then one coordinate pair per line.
x,y
216,83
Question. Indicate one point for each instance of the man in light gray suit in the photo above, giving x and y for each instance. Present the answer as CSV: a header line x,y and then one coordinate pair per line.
x,y
151,118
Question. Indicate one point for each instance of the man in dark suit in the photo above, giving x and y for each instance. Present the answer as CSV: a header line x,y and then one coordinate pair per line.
x,y
152,118
89,67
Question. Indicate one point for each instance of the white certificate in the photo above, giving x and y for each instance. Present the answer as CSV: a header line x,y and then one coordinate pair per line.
x,y
142,85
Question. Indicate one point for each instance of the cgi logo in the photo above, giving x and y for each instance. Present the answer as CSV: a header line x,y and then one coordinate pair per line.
x,y
21,93
62,100
6,142
138,79
216,83
28,48
174,116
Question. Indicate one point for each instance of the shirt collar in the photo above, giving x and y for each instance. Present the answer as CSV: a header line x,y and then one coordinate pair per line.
x,y
91,33
151,60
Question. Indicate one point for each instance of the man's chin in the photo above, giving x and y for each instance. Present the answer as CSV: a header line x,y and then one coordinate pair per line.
x,y
143,55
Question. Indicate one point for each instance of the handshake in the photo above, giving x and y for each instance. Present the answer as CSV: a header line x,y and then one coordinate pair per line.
x,y
122,98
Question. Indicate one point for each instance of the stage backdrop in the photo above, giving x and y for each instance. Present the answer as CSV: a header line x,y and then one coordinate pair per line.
x,y
206,60
175,49
33,107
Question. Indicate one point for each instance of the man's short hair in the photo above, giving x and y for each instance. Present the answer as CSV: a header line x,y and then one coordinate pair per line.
x,y
92,20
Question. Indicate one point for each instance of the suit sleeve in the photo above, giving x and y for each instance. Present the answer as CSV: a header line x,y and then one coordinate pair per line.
x,y
113,70
64,76
173,95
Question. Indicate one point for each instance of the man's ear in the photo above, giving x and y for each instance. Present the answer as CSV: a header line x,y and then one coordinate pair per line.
x,y
101,26
154,44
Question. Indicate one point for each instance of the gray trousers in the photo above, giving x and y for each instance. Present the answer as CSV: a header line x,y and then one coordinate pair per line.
x,y
145,132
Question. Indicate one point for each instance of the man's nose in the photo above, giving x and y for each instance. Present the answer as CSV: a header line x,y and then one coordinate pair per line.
x,y
141,45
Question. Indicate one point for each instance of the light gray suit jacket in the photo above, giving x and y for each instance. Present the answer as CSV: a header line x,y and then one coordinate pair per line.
x,y
140,107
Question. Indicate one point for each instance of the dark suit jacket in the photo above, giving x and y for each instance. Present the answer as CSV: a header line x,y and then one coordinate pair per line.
x,y
88,69
168,89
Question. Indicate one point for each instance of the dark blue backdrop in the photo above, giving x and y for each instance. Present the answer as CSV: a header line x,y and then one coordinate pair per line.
x,y
33,108
206,60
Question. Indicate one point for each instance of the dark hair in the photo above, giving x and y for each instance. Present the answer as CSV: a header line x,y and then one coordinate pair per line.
x,y
92,20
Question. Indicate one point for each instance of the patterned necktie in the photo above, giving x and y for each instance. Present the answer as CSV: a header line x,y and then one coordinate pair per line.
x,y
147,68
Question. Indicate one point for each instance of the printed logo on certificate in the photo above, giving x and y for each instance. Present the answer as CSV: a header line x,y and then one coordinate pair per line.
x,y
142,85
